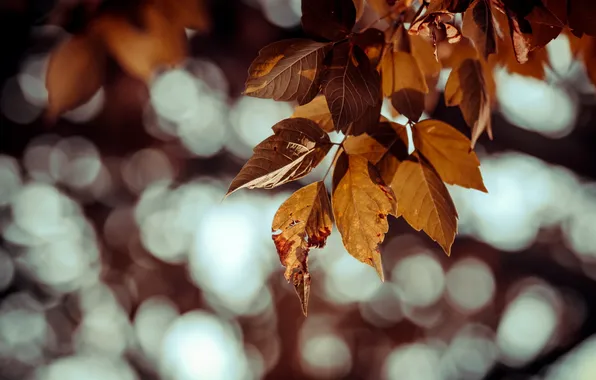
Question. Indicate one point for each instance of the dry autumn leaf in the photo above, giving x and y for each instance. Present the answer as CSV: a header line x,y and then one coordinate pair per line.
x,y
424,53
403,80
478,25
467,88
140,52
329,19
287,70
350,85
361,203
302,222
318,112
75,73
296,148
448,151
422,198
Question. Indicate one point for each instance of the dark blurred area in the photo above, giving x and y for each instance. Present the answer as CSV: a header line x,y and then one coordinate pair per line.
x,y
119,259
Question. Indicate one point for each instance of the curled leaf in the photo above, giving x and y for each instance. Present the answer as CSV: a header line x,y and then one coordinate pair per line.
x,y
361,203
287,70
478,25
302,222
75,73
448,151
296,148
468,88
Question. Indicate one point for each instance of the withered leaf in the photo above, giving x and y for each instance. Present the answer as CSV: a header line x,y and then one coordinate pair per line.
x,y
329,19
422,198
467,88
160,44
374,145
350,85
478,25
302,222
287,70
448,151
404,81
318,112
296,148
75,73
361,203
436,25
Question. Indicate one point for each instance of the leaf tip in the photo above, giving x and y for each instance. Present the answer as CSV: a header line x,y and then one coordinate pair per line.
x,y
302,287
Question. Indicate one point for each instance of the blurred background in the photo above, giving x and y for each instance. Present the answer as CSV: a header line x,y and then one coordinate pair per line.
x,y
118,259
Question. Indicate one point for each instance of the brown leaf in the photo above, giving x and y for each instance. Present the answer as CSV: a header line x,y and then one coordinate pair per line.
x,y
404,81
329,19
467,88
423,51
478,25
318,112
448,151
287,70
422,198
361,203
190,14
374,145
436,25
296,148
302,222
75,73
371,41
141,52
350,85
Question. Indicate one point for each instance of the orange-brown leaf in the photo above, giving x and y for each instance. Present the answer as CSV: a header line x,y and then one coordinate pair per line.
x,y
350,85
287,70
361,203
296,148
423,51
374,145
318,112
422,199
448,151
404,81
302,222
75,73
140,52
478,25
467,87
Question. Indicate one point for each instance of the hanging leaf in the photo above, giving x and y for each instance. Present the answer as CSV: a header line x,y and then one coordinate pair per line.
x,y
329,19
296,148
302,222
387,136
318,112
371,41
448,151
478,25
467,88
422,198
436,25
350,85
140,52
423,51
287,70
361,203
75,73
405,83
